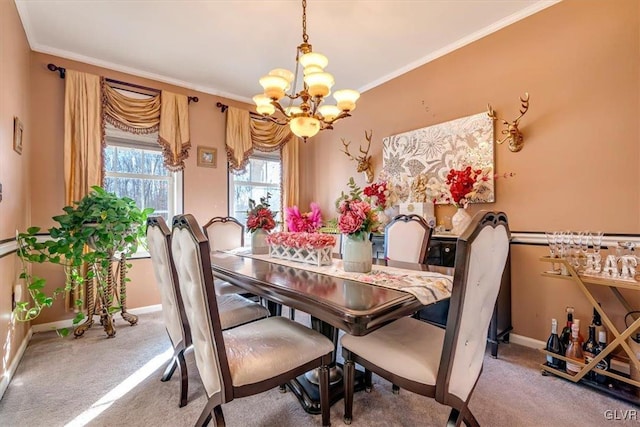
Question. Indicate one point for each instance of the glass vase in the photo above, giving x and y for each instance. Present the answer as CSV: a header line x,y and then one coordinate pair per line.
x,y
460,221
357,254
259,244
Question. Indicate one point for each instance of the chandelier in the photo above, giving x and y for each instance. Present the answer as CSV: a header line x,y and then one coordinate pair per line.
x,y
306,112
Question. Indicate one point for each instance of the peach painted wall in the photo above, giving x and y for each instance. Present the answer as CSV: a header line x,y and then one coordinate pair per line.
x,y
580,62
205,189
14,169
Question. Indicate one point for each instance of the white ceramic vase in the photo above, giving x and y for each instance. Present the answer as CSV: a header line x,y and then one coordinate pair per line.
x,y
460,221
357,254
259,244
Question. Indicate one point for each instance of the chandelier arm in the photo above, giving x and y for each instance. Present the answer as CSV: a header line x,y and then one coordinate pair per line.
x,y
275,120
279,108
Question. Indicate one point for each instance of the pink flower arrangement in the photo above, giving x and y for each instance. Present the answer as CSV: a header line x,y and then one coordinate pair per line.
x,y
259,215
355,215
301,240
307,222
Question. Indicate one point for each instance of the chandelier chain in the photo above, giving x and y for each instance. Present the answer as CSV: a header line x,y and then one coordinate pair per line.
x,y
305,37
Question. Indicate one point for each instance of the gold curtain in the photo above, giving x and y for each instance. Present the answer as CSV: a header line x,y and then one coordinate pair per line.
x,y
245,134
82,135
166,113
139,116
238,140
174,130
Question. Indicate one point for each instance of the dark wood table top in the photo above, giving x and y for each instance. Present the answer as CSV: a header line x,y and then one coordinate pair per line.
x,y
355,307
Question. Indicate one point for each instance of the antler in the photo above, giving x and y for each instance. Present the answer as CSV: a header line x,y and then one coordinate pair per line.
x,y
346,148
368,138
524,108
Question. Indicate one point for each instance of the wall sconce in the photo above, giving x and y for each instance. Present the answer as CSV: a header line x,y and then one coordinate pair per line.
x,y
511,132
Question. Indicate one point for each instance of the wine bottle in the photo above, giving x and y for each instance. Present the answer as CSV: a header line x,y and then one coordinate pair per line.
x,y
604,364
576,322
597,322
574,353
555,346
565,336
589,348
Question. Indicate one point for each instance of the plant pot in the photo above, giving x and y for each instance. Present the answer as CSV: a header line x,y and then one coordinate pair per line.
x,y
357,254
259,244
460,221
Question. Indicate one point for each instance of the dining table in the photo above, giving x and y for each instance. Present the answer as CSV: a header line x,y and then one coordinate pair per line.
x,y
356,303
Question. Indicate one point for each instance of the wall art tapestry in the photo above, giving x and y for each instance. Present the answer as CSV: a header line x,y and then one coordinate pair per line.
x,y
428,154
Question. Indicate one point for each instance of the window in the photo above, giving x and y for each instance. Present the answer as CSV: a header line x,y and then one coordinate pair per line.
x,y
262,175
134,168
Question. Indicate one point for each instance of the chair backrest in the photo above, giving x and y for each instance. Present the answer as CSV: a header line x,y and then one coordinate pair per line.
x,y
406,239
159,243
481,255
223,233
190,250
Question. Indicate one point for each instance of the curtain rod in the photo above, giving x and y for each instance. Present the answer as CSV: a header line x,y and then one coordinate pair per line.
x,y
254,116
62,71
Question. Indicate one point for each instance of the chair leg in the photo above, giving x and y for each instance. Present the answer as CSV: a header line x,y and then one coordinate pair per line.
x,y
469,419
368,381
217,411
324,395
395,389
184,379
349,379
454,418
205,416
171,367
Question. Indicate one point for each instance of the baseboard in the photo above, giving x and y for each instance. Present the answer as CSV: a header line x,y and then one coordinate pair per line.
x,y
6,378
68,323
526,341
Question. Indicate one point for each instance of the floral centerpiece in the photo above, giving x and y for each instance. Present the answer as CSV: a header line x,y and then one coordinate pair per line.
x,y
259,222
260,215
307,222
356,220
356,217
311,248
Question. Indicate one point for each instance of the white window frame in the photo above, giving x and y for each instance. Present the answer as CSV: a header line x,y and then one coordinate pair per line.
x,y
270,156
118,138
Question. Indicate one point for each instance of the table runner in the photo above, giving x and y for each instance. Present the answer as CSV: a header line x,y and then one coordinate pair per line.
x,y
427,286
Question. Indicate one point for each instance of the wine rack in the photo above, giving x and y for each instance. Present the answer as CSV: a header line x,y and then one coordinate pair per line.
x,y
620,385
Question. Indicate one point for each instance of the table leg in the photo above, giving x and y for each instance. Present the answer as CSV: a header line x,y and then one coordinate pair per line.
x,y
305,387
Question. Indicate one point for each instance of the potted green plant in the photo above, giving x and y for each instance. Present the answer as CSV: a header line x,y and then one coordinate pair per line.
x,y
90,235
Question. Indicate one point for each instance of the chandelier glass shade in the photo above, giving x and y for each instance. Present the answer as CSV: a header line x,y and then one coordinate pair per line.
x,y
307,111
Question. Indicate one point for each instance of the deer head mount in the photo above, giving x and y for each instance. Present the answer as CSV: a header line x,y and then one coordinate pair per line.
x,y
364,159
511,131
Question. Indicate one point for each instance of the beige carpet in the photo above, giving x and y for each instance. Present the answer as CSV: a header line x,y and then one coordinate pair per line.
x,y
91,381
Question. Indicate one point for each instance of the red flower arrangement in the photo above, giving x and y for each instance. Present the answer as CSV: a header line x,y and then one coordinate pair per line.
x,y
379,194
260,215
356,216
463,184
307,222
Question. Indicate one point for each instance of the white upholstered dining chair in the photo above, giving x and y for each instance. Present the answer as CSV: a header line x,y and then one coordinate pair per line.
x,y
444,364
225,233
234,309
248,359
406,239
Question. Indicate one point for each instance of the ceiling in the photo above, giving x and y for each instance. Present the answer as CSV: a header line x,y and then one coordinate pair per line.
x,y
223,47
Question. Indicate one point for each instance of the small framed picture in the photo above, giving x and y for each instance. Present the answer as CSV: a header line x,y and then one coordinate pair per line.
x,y
17,135
207,156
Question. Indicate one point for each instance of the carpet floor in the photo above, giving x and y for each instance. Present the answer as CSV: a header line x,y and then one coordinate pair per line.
x,y
97,381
